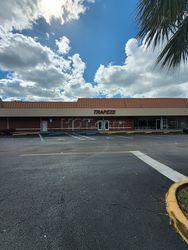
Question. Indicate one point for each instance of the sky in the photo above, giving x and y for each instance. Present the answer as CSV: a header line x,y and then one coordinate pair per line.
x,y
62,50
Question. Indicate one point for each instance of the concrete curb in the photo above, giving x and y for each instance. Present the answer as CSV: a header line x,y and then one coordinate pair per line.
x,y
144,132
177,217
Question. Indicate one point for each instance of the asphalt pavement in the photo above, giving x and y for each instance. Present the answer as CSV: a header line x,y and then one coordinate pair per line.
x,y
87,192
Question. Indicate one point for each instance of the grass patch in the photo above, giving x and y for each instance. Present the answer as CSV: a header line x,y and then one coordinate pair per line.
x,y
182,197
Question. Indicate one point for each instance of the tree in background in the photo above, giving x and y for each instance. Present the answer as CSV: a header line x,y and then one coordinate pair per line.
x,y
165,20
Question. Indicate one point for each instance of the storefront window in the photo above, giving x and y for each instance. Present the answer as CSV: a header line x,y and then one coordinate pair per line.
x,y
145,123
172,124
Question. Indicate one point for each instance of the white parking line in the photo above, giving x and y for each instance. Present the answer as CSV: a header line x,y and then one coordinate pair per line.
x,y
87,137
77,137
82,137
41,138
161,168
126,137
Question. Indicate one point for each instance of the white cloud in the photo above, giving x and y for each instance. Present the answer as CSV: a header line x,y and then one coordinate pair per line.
x,y
40,73
36,71
20,14
77,87
18,52
140,77
65,10
63,45
32,62
13,89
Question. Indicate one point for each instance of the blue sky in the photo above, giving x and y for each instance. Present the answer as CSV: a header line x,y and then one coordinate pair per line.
x,y
63,50
99,36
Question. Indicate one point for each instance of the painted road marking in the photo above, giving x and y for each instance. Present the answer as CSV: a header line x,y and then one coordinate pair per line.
x,y
81,137
161,168
109,138
76,153
41,138
126,137
77,137
87,137
54,139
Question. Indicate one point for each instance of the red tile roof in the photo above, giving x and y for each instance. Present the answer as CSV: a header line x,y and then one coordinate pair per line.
x,y
103,103
157,103
34,105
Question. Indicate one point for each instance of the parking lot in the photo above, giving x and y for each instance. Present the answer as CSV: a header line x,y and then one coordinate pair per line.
x,y
89,192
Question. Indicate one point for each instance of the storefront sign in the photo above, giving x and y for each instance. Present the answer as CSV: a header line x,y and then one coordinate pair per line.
x,y
104,112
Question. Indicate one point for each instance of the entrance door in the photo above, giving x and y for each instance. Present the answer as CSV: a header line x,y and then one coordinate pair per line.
x,y
158,124
106,125
103,125
44,126
100,125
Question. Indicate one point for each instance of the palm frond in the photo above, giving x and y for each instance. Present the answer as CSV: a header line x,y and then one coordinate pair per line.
x,y
176,49
159,18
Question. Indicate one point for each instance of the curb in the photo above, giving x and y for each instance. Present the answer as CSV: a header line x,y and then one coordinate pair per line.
x,y
177,217
137,132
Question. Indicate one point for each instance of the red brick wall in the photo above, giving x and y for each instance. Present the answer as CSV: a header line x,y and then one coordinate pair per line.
x,y
91,123
54,123
115,123
3,123
78,123
24,123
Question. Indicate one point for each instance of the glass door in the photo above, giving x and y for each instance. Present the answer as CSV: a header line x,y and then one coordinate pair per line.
x,y
44,126
100,125
158,124
106,125
103,125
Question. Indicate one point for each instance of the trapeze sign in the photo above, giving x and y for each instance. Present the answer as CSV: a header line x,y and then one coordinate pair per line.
x,y
104,112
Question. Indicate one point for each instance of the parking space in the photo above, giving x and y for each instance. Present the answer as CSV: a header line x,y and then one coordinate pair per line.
x,y
88,192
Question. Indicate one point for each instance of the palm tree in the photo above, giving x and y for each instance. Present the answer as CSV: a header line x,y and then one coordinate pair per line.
x,y
165,20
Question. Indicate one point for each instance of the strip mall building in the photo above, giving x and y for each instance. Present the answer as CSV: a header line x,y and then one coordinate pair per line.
x,y
95,114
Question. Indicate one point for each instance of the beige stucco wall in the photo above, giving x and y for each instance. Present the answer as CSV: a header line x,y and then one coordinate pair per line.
x,y
90,112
